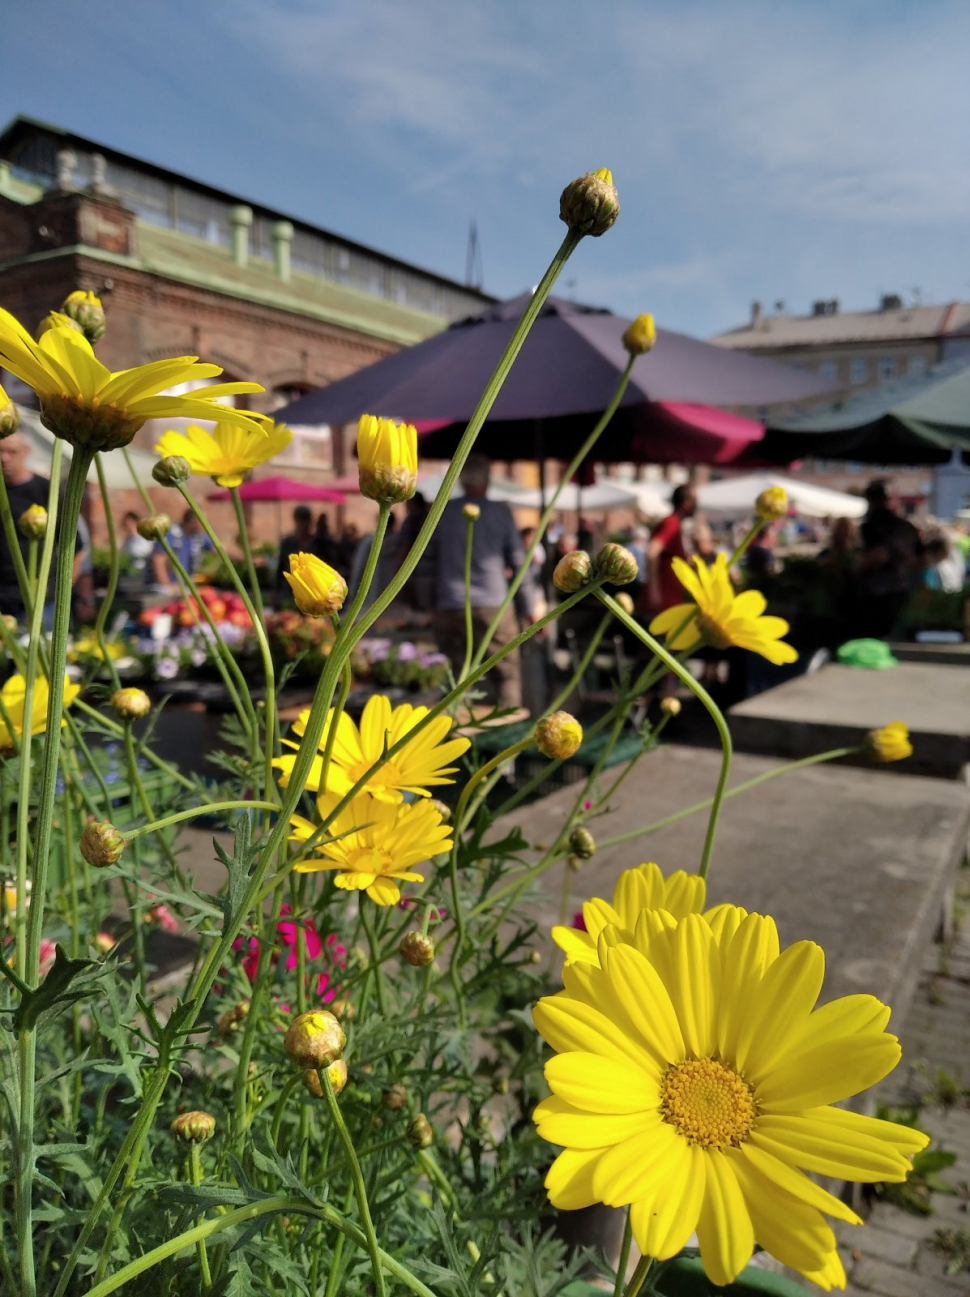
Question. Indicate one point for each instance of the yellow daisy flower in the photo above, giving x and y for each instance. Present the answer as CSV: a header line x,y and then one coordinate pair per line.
x,y
639,889
375,843
421,764
694,1080
88,405
229,452
387,457
318,589
12,708
891,743
719,616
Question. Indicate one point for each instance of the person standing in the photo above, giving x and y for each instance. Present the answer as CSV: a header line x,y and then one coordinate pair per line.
x,y
662,589
300,541
497,553
24,488
888,564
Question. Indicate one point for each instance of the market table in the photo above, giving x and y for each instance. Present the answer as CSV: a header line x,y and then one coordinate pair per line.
x,y
837,707
862,864
941,654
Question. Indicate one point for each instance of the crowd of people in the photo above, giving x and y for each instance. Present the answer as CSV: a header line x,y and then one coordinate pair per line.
x,y
869,571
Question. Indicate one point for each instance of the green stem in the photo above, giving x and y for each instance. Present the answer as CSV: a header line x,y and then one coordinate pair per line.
x,y
32,567
716,715
469,624
357,1177
547,513
746,543
640,1276
280,1205
210,808
12,536
145,497
624,1257
748,784
112,587
375,957
80,463
117,731
195,1175
280,1112
247,550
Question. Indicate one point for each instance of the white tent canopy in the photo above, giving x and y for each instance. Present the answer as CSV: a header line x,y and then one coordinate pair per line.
x,y
596,498
117,476
736,496
508,492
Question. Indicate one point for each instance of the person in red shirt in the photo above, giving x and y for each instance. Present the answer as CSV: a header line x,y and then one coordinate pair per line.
x,y
662,589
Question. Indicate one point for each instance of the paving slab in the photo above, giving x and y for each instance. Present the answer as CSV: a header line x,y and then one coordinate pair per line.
x,y
860,863
838,706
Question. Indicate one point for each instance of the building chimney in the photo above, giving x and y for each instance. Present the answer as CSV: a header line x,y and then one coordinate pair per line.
x,y
756,315
282,233
819,308
240,218
890,302
99,177
64,182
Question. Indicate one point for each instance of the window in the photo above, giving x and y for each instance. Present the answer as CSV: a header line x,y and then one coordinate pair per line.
x,y
859,370
829,371
916,366
311,447
887,369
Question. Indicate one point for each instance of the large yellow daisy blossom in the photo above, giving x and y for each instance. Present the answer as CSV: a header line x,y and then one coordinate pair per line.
x,y
12,709
387,457
694,1080
421,764
229,452
719,616
87,404
375,844
639,889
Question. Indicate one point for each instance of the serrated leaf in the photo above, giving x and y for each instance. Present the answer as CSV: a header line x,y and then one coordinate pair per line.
x,y
53,990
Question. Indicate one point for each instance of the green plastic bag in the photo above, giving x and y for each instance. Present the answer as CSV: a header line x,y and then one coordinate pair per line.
x,y
871,653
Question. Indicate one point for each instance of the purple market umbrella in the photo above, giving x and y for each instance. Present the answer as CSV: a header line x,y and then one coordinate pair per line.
x,y
564,377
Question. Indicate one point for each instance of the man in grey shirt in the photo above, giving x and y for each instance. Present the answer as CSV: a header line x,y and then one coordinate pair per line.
x,y
496,552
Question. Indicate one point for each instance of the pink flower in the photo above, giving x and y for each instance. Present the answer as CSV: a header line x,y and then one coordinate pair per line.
x,y
162,916
578,921
48,950
288,931
587,806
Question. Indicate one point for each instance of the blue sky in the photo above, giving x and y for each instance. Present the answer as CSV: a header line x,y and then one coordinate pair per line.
x,y
771,149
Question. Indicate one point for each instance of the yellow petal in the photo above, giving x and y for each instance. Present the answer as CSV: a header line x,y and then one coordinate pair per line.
x,y
725,1234
601,1084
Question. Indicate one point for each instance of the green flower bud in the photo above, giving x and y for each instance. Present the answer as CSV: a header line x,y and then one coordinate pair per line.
x,y
558,736
582,843
616,564
573,571
337,1072
640,336
86,311
172,470
472,511
155,527
670,706
101,844
420,1132
772,503
395,1098
131,704
315,1039
590,204
32,523
194,1127
416,949
9,416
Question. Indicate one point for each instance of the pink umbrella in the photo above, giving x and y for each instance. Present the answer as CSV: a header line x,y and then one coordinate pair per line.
x,y
280,489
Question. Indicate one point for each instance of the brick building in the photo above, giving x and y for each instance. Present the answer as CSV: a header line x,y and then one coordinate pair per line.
x,y
183,268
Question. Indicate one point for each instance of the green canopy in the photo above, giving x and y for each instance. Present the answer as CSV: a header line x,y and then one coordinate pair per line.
x,y
914,421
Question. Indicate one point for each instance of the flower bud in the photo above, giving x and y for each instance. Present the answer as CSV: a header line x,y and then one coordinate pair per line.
x,y
101,844
315,1039
582,844
230,1021
558,736
420,1132
318,589
590,204
395,1098
416,949
9,416
500,1084
891,743
344,1010
104,943
387,459
535,957
616,564
337,1072
155,527
32,523
443,809
772,503
57,320
640,336
670,706
172,470
194,1127
86,311
624,601
472,511
131,704
573,571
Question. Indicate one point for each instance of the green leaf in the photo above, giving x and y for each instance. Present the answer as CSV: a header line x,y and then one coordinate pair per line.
x,y
54,989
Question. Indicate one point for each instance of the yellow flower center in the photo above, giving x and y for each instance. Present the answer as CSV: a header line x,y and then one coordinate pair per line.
x,y
388,776
708,1103
713,631
370,860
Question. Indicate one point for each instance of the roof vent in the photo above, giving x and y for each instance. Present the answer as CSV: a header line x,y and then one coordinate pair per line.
x,y
890,302
824,306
